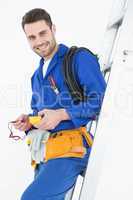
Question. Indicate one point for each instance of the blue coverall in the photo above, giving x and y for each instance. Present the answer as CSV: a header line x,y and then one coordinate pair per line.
x,y
56,177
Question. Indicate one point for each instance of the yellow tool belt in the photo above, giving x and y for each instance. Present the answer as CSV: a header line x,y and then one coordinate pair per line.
x,y
66,143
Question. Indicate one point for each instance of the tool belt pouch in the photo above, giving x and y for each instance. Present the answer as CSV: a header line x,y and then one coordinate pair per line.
x,y
67,143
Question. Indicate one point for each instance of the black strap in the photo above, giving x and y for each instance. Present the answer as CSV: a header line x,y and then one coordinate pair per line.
x,y
74,87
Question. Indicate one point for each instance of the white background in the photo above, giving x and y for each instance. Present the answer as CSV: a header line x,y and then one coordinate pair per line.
x,y
80,23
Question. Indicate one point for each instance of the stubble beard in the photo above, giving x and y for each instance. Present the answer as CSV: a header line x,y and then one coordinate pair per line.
x,y
49,50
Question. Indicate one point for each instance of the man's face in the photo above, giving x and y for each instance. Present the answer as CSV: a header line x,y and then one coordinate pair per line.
x,y
41,38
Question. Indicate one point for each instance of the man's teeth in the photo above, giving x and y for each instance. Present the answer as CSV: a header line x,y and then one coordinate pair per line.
x,y
43,48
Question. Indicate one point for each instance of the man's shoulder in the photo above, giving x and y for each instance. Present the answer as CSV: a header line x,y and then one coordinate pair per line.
x,y
85,52
80,54
62,50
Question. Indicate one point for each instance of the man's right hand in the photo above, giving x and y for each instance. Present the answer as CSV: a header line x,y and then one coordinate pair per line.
x,y
22,123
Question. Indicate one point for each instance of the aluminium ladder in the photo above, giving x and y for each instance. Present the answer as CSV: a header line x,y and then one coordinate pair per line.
x,y
113,38
117,56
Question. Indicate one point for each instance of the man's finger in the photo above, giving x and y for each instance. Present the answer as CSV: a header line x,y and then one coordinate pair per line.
x,y
18,125
23,127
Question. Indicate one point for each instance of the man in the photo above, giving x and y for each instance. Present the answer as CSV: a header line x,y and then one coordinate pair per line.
x,y
52,101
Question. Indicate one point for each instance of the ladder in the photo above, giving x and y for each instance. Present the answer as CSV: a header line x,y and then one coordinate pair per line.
x,y
111,50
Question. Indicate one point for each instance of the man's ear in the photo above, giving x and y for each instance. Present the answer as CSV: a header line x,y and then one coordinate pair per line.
x,y
53,28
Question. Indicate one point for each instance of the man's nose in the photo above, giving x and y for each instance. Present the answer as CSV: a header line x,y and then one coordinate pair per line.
x,y
39,41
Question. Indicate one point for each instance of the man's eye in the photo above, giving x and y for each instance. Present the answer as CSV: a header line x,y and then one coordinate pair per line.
x,y
43,33
31,38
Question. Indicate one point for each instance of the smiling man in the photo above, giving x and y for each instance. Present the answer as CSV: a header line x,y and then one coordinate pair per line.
x,y
41,37
60,116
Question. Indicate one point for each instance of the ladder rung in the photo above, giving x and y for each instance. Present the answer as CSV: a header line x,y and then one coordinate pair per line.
x,y
106,70
117,20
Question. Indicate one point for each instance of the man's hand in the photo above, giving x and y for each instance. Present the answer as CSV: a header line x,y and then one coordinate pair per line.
x,y
22,123
51,118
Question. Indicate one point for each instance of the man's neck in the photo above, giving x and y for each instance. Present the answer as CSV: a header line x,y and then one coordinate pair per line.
x,y
52,54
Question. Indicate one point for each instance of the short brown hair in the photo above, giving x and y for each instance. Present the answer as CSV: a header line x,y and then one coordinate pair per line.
x,y
35,15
